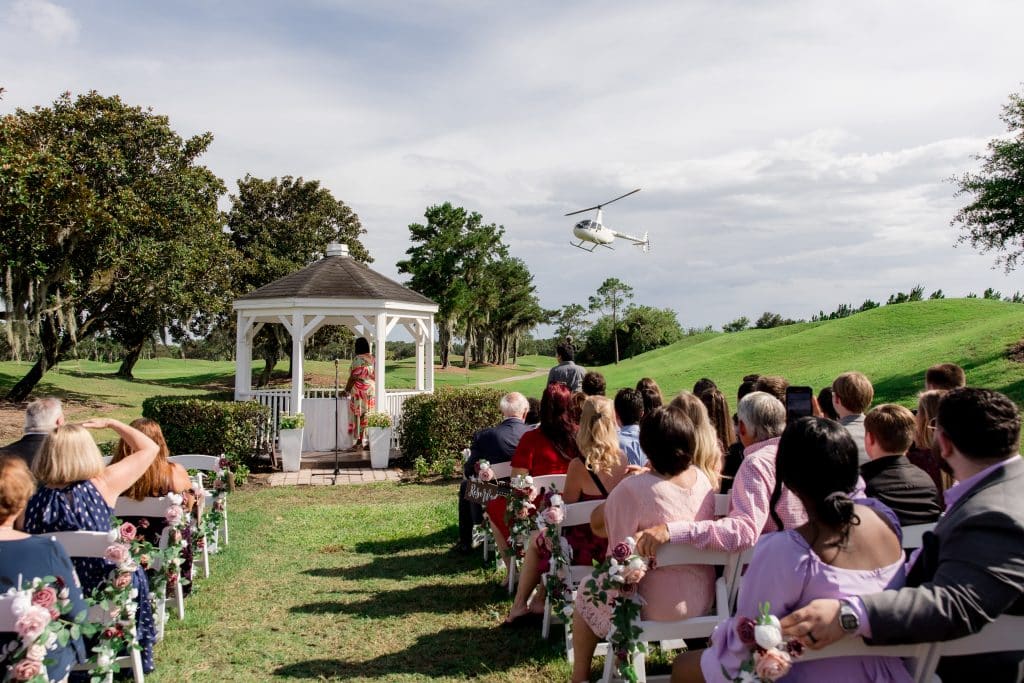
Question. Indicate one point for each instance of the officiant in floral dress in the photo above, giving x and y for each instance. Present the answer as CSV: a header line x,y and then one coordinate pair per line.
x,y
361,392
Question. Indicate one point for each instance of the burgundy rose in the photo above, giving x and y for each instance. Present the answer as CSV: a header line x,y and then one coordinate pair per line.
x,y
26,670
112,632
172,579
795,648
60,582
628,590
44,597
745,630
143,523
621,551
224,463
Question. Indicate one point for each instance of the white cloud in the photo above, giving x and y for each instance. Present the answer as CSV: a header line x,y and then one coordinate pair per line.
x,y
52,23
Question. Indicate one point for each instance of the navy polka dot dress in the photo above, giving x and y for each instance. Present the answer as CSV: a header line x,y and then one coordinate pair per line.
x,y
80,507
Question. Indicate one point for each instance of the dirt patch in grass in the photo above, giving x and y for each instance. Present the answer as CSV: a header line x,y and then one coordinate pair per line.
x,y
1016,352
12,416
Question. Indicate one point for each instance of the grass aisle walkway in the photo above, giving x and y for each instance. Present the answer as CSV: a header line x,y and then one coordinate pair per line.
x,y
349,583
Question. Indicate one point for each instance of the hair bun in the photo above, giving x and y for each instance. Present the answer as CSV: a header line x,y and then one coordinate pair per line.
x,y
837,508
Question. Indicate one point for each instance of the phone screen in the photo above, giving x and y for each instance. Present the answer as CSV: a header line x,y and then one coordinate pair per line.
x,y
799,402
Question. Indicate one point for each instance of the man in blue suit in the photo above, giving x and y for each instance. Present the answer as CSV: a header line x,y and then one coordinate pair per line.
x,y
496,444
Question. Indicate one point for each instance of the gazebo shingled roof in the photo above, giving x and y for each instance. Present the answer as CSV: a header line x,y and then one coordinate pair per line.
x,y
337,276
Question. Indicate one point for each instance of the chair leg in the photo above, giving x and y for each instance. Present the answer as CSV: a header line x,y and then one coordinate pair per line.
x,y
545,625
224,526
512,575
609,667
206,558
568,644
161,614
179,595
140,677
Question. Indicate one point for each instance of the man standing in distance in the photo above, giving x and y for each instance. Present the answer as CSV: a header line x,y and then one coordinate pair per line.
x,y
567,372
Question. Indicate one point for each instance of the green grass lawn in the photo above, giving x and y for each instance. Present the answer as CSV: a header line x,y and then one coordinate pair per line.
x,y
350,583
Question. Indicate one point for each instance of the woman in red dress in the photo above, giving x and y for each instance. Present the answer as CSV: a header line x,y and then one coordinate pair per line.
x,y
546,450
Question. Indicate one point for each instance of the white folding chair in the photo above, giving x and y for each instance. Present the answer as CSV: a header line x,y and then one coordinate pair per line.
x,y
913,535
671,634
917,653
207,463
154,507
721,504
93,544
1002,635
502,470
545,481
107,459
576,514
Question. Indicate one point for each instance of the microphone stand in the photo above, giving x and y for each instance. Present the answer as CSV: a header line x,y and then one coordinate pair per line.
x,y
337,399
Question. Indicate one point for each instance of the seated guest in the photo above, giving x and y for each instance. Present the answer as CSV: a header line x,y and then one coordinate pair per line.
x,y
593,384
921,453
762,419
944,377
566,372
546,450
652,399
672,489
41,417
889,476
825,404
34,557
969,571
707,449
851,396
532,418
495,445
702,385
76,492
161,478
629,408
648,384
845,548
591,477
577,399
721,421
774,385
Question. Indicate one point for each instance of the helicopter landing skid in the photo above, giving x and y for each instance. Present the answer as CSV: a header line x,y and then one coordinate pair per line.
x,y
594,245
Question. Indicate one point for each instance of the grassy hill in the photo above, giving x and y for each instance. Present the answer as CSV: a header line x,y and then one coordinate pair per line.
x,y
893,345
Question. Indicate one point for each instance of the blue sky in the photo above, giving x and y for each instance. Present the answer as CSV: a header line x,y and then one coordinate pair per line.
x,y
794,155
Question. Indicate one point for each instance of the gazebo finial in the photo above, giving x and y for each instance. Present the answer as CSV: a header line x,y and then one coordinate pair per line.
x,y
336,249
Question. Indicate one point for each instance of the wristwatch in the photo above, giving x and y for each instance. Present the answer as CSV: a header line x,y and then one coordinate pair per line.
x,y
848,617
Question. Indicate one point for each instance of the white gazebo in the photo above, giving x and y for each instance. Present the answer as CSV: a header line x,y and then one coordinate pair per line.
x,y
336,290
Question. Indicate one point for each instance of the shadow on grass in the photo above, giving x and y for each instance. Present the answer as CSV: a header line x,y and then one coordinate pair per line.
x,y
418,600
401,567
441,537
457,652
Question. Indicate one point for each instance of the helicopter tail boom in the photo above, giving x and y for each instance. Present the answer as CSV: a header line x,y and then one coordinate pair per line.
x,y
643,242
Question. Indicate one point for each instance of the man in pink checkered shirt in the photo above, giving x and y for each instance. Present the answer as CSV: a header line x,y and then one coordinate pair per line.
x,y
762,417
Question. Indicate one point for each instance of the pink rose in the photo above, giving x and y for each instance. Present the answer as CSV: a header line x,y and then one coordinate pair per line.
x,y
33,622
745,630
218,506
486,474
621,551
117,554
128,532
771,665
173,514
172,579
26,670
633,575
44,597
554,515
122,580
54,613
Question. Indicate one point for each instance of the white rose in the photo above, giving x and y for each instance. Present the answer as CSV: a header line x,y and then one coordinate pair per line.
x,y
631,542
103,660
556,500
528,480
36,653
768,635
22,601
175,498
114,535
637,563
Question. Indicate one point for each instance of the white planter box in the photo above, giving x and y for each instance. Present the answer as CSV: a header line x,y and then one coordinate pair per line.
x,y
380,447
290,442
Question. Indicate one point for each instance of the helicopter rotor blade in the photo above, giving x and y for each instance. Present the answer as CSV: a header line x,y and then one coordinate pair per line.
x,y
604,204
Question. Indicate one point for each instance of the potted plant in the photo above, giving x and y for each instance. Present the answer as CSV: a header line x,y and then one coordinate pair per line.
x,y
290,440
380,439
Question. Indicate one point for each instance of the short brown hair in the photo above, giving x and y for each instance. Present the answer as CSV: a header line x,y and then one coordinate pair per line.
x,y
892,426
774,385
16,486
854,391
982,424
945,376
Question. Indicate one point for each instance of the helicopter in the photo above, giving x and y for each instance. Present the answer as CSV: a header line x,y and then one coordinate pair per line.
x,y
598,235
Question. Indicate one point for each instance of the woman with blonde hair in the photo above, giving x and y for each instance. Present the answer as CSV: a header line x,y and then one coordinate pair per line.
x,y
162,477
709,452
598,470
77,493
921,453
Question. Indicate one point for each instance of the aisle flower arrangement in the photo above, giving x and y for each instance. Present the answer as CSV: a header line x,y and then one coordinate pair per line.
x,y
41,610
771,657
615,583
117,596
482,533
520,514
556,579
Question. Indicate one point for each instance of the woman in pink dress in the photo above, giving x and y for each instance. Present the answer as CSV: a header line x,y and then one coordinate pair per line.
x,y
361,392
671,490
846,548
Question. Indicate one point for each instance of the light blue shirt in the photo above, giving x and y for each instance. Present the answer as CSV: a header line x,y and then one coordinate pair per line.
x,y
629,443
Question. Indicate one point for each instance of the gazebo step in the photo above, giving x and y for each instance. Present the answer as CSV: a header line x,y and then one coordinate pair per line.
x,y
318,460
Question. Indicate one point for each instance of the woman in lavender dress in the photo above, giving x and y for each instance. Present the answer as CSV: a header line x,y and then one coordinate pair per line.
x,y
846,548
77,493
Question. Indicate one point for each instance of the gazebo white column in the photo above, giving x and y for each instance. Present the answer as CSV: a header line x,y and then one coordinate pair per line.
x,y
298,354
381,333
421,343
244,333
430,355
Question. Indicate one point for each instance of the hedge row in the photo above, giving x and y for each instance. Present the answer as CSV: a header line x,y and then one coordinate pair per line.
x,y
439,425
195,425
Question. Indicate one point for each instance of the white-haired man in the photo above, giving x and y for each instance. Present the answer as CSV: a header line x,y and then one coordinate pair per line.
x,y
495,444
41,417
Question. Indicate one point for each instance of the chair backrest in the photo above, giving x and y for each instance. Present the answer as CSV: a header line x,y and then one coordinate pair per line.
x,y
83,543
547,480
721,504
682,553
206,463
107,459
502,470
856,647
147,507
913,535
577,514
7,618
1002,635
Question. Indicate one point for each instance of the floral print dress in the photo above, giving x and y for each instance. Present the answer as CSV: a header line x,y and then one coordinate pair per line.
x,y
362,397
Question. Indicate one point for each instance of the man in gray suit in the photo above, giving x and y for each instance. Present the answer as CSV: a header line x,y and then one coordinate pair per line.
x,y
567,371
971,569
41,417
